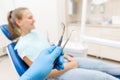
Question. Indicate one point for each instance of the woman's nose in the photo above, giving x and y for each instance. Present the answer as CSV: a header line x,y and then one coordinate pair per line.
x,y
33,20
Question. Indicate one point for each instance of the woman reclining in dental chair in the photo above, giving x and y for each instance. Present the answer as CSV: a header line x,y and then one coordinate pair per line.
x,y
31,43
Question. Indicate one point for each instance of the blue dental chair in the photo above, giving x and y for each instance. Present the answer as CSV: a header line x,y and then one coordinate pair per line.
x,y
18,63
4,29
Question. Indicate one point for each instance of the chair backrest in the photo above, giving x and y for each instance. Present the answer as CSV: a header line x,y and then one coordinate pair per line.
x,y
4,29
17,62
117,76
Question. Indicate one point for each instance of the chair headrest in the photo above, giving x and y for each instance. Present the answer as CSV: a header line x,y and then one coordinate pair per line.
x,y
4,29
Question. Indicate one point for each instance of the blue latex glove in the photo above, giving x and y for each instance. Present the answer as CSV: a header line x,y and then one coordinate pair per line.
x,y
44,63
59,63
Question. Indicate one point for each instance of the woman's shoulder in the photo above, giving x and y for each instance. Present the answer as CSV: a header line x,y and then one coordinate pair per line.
x,y
23,40
20,43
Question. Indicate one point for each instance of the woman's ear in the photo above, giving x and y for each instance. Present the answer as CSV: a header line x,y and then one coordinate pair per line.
x,y
17,21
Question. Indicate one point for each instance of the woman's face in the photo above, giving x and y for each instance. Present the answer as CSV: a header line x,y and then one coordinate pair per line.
x,y
27,22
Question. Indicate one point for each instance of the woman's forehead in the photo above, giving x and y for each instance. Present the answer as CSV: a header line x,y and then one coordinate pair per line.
x,y
26,13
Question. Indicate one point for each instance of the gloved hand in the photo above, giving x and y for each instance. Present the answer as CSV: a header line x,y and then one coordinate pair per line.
x,y
44,63
58,63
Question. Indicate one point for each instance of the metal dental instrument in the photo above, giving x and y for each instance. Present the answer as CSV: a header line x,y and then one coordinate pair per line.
x,y
61,38
60,41
67,39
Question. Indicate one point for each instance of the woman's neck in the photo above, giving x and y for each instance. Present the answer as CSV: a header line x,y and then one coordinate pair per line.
x,y
25,33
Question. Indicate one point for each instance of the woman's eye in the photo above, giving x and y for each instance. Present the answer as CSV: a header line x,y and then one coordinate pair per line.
x,y
30,17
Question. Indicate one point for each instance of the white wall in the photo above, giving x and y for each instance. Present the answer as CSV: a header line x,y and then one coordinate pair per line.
x,y
45,14
5,7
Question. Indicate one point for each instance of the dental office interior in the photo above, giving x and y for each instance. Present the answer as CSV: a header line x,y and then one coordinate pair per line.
x,y
92,28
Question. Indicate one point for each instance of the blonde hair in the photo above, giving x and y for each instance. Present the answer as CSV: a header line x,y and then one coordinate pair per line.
x,y
13,28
